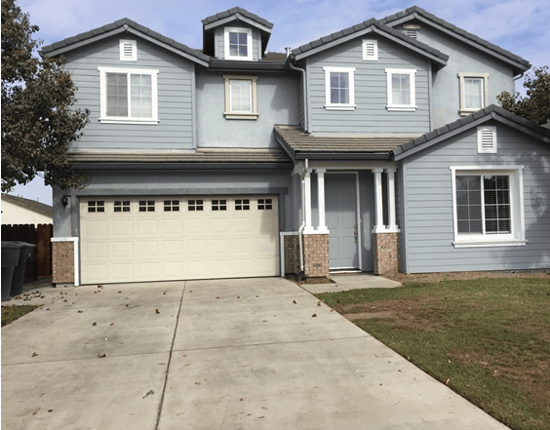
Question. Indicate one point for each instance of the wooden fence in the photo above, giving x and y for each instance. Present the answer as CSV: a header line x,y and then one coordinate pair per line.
x,y
40,236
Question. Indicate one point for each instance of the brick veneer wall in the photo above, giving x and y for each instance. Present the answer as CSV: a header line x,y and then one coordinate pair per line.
x,y
292,254
386,253
316,261
62,262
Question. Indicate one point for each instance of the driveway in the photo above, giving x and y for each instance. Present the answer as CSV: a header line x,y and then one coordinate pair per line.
x,y
224,354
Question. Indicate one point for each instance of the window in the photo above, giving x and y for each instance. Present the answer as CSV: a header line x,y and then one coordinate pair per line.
x,y
147,206
238,43
265,204
128,50
96,206
219,205
171,205
195,205
486,140
240,97
122,206
242,204
401,89
473,92
370,50
128,95
340,88
488,206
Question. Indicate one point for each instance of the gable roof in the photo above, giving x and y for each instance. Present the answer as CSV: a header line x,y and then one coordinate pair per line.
x,y
125,25
489,113
370,26
520,65
301,145
31,205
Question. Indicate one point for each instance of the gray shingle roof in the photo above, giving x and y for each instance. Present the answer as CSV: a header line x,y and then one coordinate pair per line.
x,y
296,142
204,156
233,11
362,26
31,205
92,34
449,130
453,28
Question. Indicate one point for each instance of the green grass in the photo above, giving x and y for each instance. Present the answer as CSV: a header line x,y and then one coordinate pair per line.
x,y
487,339
13,312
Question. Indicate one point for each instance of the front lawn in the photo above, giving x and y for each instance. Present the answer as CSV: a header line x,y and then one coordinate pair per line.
x,y
487,339
12,312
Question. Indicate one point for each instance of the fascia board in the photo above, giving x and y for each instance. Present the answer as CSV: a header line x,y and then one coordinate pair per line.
x,y
343,156
181,166
237,17
77,45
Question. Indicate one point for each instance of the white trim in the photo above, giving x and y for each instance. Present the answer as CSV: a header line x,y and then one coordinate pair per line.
x,y
391,106
322,228
76,261
464,111
351,81
374,44
127,119
308,229
517,211
481,138
228,112
122,46
248,31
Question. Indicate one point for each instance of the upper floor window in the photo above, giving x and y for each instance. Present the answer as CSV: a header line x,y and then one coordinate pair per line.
x,y
340,88
240,97
401,89
128,95
473,92
238,43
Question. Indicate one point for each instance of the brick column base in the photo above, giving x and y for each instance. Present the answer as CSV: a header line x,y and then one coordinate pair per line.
x,y
292,254
386,253
316,255
63,262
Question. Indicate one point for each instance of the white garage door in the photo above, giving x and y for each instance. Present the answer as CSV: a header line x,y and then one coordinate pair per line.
x,y
142,239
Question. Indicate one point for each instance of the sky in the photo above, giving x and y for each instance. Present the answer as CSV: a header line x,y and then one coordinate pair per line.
x,y
520,26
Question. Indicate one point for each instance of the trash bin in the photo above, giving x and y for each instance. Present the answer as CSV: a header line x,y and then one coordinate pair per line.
x,y
19,272
10,259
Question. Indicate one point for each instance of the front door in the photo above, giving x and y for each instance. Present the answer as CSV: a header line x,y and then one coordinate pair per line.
x,y
341,216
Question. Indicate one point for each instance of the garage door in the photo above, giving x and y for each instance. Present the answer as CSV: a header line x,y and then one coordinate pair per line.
x,y
171,238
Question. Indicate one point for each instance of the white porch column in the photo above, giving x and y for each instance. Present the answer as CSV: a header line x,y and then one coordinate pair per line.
x,y
308,229
322,228
391,200
378,203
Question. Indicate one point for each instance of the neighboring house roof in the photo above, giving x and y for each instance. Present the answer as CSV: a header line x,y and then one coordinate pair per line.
x,y
31,205
201,156
301,145
370,26
125,25
520,65
489,113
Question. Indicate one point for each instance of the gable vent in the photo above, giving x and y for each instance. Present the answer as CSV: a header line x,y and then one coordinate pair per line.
x,y
411,30
411,33
370,50
128,50
486,140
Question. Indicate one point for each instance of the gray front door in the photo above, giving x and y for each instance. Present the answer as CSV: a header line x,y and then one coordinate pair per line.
x,y
341,216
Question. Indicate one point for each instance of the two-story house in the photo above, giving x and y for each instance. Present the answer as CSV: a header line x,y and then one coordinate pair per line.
x,y
376,148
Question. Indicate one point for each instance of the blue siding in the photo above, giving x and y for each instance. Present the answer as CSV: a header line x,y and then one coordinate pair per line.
x,y
175,129
427,195
371,115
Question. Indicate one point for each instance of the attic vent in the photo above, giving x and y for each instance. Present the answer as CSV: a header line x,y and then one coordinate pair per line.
x,y
486,140
128,50
370,50
411,30
411,33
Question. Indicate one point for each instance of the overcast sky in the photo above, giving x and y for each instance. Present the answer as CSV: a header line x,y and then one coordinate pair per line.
x,y
520,26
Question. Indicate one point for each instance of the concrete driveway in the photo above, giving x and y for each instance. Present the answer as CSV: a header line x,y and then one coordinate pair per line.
x,y
225,354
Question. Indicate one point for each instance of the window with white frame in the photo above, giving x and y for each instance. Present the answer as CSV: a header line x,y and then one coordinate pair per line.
x,y
401,89
128,95
240,97
488,206
473,92
340,88
370,50
238,43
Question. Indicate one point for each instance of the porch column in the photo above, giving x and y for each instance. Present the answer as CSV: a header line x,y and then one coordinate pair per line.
x,y
322,228
378,204
307,203
391,200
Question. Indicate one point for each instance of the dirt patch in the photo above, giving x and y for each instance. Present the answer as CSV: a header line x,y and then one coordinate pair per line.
x,y
368,315
459,276
297,279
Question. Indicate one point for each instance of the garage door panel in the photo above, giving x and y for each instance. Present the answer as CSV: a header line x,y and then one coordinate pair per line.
x,y
136,239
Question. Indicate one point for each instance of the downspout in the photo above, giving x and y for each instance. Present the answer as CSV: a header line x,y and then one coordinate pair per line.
x,y
302,226
304,89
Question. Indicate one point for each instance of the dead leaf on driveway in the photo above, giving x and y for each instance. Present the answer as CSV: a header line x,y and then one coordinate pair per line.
x,y
100,355
37,409
197,383
94,324
34,354
314,316
157,311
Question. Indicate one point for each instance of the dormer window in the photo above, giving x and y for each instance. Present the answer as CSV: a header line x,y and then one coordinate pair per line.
x,y
238,43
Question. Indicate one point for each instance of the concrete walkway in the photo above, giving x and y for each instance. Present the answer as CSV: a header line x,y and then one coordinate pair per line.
x,y
228,354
